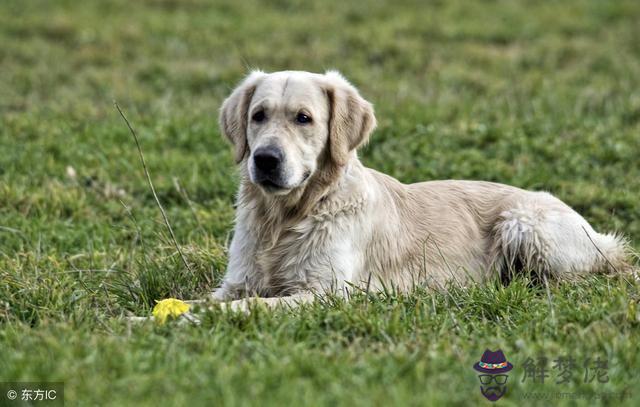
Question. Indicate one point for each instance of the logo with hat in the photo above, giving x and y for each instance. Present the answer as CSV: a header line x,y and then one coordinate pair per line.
x,y
493,368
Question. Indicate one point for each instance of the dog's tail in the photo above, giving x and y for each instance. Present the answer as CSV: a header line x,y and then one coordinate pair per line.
x,y
616,253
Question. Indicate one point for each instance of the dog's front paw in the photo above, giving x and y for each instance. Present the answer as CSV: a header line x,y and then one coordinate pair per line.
x,y
220,295
237,305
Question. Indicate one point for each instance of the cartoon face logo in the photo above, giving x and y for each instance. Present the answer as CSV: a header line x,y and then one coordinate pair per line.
x,y
493,367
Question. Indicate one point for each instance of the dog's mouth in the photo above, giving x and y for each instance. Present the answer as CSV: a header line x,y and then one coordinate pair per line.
x,y
277,188
273,187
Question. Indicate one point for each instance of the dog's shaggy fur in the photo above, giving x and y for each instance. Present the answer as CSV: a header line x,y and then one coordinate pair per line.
x,y
324,221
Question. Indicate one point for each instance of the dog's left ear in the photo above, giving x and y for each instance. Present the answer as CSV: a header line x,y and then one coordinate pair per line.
x,y
233,113
351,120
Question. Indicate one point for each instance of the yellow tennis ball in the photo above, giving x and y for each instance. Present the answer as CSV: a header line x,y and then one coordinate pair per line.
x,y
169,307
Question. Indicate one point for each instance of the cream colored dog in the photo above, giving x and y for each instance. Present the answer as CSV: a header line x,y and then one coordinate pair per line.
x,y
312,219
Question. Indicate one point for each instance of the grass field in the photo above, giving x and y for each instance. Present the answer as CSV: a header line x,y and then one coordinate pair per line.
x,y
541,95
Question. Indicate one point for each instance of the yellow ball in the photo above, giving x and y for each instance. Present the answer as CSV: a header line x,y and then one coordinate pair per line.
x,y
169,307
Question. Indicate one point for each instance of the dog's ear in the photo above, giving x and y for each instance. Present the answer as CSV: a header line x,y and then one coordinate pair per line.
x,y
351,118
233,113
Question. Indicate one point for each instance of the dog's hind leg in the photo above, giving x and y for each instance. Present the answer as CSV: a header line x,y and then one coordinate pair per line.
x,y
542,234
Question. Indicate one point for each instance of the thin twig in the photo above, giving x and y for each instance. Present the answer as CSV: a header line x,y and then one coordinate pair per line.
x,y
153,190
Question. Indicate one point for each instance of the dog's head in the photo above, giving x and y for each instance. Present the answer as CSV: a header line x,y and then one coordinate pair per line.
x,y
285,125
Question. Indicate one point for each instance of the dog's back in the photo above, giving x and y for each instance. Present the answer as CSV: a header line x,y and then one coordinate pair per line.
x,y
461,230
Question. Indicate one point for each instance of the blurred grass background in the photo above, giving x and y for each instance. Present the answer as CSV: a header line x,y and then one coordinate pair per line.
x,y
539,94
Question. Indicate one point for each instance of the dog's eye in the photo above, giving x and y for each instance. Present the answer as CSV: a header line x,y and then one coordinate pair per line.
x,y
303,118
258,116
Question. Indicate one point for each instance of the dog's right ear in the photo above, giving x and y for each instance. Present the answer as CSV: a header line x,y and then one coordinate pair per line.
x,y
233,113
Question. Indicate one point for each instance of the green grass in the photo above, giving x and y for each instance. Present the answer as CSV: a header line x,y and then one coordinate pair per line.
x,y
530,93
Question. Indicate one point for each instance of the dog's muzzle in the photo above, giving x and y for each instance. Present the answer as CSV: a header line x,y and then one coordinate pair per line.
x,y
268,167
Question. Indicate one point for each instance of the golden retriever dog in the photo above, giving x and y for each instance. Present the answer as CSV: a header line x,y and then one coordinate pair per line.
x,y
311,219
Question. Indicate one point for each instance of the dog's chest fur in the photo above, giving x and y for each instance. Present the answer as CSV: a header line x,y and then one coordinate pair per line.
x,y
294,254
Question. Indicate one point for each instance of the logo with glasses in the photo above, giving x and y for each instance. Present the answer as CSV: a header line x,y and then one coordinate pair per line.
x,y
493,368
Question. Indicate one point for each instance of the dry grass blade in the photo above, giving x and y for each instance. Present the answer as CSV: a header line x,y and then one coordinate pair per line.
x,y
600,251
153,190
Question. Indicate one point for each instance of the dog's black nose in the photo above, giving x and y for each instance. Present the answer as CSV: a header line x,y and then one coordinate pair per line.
x,y
267,159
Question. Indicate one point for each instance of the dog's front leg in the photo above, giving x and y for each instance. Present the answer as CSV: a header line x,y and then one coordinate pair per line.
x,y
244,305
288,302
241,269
